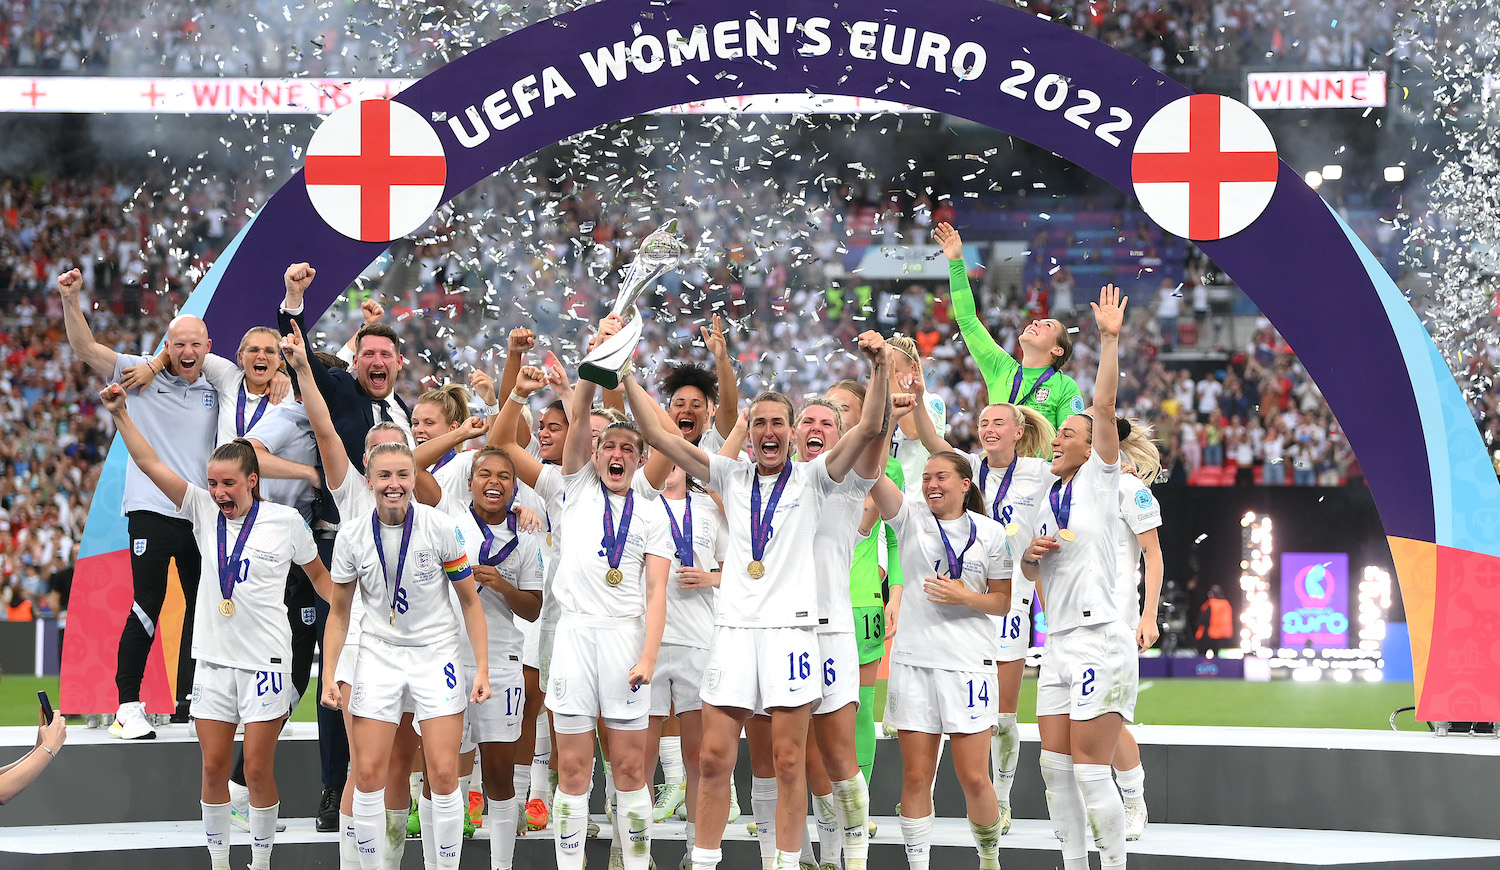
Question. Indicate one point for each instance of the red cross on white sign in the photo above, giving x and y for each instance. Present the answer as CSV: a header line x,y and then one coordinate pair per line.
x,y
1205,167
375,170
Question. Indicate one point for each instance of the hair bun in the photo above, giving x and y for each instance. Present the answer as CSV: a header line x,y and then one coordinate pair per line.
x,y
1122,426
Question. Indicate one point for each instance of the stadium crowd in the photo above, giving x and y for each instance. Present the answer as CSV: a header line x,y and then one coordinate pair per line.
x,y
782,284
271,37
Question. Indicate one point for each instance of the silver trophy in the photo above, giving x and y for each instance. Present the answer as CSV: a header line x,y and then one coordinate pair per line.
x,y
606,364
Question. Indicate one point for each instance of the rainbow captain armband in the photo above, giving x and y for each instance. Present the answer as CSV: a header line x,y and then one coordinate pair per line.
x,y
458,569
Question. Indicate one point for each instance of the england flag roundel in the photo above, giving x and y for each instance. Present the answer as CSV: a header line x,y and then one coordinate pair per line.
x,y
1204,167
375,170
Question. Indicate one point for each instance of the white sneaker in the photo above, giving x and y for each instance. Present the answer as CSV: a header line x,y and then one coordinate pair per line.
x,y
734,804
239,808
669,797
1135,820
131,724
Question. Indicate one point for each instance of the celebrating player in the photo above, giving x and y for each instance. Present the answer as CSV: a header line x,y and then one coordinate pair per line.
x,y
765,645
409,663
244,647
1038,381
1087,685
1010,478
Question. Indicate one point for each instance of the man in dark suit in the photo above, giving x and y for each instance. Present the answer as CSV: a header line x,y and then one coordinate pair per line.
x,y
359,399
356,401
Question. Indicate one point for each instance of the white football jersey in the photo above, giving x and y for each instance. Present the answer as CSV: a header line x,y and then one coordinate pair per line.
x,y
910,453
1078,579
522,568
1140,512
424,614
946,636
838,533
690,612
579,584
256,637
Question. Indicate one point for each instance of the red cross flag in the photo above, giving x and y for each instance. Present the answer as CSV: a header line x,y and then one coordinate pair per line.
x,y
375,170
1204,167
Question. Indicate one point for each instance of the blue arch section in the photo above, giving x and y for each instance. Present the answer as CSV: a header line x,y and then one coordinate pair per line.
x,y
1314,281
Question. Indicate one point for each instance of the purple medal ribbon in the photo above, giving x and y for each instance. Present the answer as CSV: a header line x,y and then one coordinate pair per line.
x,y
683,540
239,412
1015,385
1061,506
485,558
613,542
229,569
956,561
447,458
406,526
760,522
984,473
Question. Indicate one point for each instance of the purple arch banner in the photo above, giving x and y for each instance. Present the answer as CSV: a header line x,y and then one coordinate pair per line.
x,y
1063,91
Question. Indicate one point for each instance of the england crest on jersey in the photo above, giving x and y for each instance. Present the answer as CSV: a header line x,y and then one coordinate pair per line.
x,y
309,615
208,400
1043,393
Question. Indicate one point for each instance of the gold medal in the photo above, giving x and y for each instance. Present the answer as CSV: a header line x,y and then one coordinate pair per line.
x,y
614,576
393,617
1012,528
227,608
549,540
756,570
1066,534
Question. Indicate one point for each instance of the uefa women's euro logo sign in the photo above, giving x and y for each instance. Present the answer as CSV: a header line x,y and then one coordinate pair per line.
x,y
1315,600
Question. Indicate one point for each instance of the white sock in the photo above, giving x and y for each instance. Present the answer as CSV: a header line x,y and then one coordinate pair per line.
x,y
763,807
633,816
830,833
1065,806
570,819
690,836
917,835
806,856
541,756
672,769
501,823
987,841
787,860
707,859
416,785
1132,784
262,835
1004,751
216,829
429,836
1106,813
853,796
465,783
521,782
348,851
447,828
368,813
395,837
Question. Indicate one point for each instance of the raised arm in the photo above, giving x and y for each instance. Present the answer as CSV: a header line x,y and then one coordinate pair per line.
x,y
994,363
98,357
579,444
926,431
1109,313
432,449
166,480
728,412
888,498
662,438
330,445
517,344
503,430
855,444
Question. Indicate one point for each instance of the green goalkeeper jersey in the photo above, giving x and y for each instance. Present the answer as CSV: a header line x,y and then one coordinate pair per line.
x,y
864,571
1051,392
